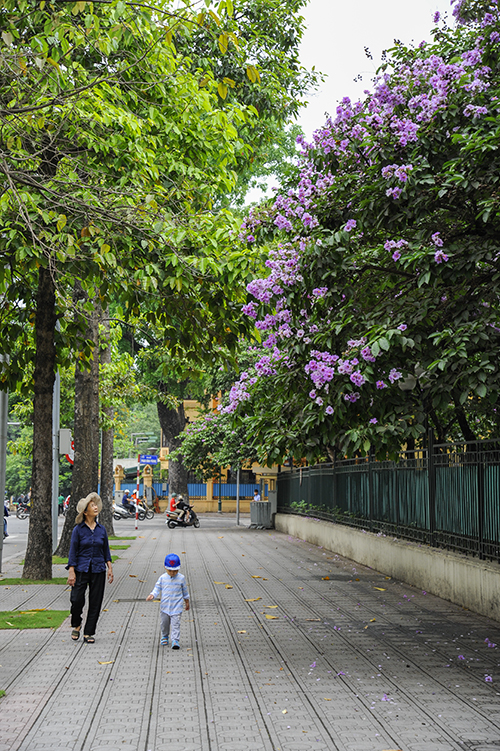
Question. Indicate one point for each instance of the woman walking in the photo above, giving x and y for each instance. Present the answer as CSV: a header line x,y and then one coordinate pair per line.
x,y
89,556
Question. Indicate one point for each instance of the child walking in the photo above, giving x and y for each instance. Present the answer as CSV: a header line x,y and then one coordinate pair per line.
x,y
173,590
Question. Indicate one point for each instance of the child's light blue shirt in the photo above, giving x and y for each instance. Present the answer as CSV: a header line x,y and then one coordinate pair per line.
x,y
173,591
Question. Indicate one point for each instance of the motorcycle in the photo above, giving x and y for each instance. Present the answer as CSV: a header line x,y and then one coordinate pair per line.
x,y
120,512
173,520
22,510
147,510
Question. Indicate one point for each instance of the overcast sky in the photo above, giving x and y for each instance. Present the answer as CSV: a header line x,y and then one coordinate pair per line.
x,y
337,31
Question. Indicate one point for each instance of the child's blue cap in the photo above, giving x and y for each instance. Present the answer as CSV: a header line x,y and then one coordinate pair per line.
x,y
172,562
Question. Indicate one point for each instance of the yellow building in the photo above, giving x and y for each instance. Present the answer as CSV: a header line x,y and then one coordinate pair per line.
x,y
219,493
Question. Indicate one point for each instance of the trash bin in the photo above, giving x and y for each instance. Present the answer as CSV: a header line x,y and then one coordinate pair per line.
x,y
260,515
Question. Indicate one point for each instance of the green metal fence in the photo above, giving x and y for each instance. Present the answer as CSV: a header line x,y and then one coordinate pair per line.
x,y
445,495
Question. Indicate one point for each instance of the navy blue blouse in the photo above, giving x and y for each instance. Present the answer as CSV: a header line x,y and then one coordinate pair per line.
x,y
89,546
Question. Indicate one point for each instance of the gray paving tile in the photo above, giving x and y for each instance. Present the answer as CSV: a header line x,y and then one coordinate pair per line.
x,y
359,662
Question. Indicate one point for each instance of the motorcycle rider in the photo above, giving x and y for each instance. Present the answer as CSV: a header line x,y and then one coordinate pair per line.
x,y
126,502
183,509
172,506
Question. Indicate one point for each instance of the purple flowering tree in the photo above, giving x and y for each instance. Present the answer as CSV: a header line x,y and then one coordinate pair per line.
x,y
379,317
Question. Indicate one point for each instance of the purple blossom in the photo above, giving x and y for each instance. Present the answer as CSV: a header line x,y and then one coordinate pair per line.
x,y
437,240
373,421
366,354
352,397
402,327
381,385
357,378
487,20
393,192
250,310
475,111
320,291
439,256
395,375
283,223
329,410
350,225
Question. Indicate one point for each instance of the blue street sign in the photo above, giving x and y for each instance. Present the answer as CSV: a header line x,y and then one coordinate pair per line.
x,y
148,459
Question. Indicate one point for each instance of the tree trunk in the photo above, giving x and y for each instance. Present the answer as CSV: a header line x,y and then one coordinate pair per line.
x,y
84,480
173,422
107,480
462,420
94,329
38,559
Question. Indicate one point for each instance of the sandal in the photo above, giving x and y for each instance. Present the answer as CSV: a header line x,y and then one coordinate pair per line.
x,y
89,640
75,634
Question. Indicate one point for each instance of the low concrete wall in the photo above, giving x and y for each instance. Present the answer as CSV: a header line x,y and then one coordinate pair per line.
x,y
468,582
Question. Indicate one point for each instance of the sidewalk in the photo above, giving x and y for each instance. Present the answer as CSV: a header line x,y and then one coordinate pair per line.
x,y
287,647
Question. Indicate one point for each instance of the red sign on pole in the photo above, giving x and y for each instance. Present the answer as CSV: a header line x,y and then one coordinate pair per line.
x,y
71,456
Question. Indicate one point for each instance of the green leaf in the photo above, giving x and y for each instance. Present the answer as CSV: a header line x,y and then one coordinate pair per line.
x,y
222,90
481,390
223,43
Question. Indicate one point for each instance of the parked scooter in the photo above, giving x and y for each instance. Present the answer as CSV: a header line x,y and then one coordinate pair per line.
x,y
119,512
173,520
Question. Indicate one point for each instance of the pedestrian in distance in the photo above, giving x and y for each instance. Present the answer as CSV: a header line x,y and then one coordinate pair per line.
x,y
172,589
256,495
89,557
5,515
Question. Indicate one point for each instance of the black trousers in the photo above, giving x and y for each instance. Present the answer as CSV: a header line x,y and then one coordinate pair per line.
x,y
95,583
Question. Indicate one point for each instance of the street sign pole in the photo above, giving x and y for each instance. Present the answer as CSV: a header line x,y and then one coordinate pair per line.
x,y
238,496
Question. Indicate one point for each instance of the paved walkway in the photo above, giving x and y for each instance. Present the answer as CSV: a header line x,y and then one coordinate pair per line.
x,y
287,647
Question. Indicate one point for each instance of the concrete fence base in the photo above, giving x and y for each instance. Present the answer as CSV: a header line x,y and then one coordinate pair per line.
x,y
468,582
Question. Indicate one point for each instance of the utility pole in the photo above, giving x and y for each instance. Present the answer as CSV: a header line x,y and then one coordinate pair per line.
x,y
56,406
4,411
